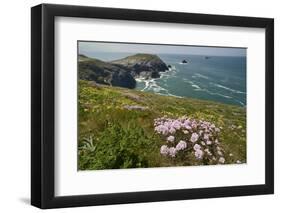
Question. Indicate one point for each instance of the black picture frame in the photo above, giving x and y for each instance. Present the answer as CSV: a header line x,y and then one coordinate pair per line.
x,y
43,102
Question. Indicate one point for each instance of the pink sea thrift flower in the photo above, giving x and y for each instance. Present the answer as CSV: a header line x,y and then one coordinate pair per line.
x,y
199,154
176,124
181,145
171,138
196,147
186,125
172,130
206,136
161,129
194,137
164,150
186,122
209,142
183,131
172,151
221,160
194,125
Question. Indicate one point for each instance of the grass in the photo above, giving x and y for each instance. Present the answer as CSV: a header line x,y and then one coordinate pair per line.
x,y
112,136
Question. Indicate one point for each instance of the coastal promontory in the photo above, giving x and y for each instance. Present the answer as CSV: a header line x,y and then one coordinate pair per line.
x,y
121,72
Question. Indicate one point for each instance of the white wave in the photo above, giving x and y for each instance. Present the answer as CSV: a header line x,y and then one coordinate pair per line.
x,y
157,89
172,68
195,86
242,104
225,96
169,94
151,85
218,94
227,88
139,80
164,76
197,75
148,84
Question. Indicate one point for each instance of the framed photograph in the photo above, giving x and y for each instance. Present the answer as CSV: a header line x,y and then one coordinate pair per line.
x,y
139,106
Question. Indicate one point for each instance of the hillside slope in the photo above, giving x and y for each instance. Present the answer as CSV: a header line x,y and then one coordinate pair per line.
x,y
117,128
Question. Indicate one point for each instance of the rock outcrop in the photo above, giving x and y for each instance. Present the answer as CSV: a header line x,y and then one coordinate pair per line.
x,y
120,72
104,73
143,65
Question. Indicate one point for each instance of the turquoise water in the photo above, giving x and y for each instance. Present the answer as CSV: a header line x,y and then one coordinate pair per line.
x,y
221,79
218,78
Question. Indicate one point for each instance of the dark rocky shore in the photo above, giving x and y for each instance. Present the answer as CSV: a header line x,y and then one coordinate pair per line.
x,y
121,72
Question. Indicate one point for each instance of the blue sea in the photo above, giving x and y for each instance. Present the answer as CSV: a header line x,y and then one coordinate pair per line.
x,y
217,78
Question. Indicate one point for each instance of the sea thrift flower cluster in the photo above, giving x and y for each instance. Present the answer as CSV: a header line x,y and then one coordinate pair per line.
x,y
181,145
186,135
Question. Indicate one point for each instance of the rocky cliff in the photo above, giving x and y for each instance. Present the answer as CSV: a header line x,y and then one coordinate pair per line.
x,y
120,72
143,65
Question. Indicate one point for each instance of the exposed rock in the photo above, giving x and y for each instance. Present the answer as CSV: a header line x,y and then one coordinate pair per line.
x,y
123,79
121,72
105,73
135,107
94,84
155,74
143,65
132,96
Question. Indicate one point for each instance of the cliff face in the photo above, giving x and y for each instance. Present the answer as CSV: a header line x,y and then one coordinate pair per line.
x,y
143,65
120,72
104,73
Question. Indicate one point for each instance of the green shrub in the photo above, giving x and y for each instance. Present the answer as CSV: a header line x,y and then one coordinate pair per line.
x,y
116,147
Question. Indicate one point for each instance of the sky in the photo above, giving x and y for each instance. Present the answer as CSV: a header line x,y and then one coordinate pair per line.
x,y
89,47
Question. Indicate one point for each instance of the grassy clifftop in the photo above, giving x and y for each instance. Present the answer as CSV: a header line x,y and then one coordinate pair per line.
x,y
140,58
117,127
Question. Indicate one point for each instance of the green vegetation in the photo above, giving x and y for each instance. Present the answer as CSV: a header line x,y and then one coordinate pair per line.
x,y
120,72
138,58
116,127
